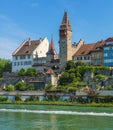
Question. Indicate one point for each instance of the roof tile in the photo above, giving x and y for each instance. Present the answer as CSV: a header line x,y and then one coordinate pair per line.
x,y
27,48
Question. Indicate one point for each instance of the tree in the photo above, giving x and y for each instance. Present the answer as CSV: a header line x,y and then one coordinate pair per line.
x,y
5,66
67,78
64,78
70,64
22,72
21,86
32,98
31,72
18,98
48,86
30,87
10,87
3,98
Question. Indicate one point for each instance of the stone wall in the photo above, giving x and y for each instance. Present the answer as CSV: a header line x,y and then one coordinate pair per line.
x,y
38,82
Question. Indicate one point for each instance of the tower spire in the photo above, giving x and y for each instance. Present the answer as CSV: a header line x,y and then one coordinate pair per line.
x,y
52,50
65,42
66,22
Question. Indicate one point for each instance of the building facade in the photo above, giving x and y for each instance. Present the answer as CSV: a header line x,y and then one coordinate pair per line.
x,y
108,52
42,54
26,54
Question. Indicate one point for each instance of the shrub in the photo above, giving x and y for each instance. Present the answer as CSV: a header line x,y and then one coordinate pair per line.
x,y
10,87
18,98
22,72
31,72
49,86
32,98
21,86
100,77
30,87
72,89
3,99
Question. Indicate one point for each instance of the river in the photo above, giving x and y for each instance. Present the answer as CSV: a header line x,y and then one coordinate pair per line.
x,y
50,117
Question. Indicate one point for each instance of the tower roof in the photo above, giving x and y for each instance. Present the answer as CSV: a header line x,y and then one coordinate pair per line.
x,y
50,71
52,49
52,45
66,22
110,39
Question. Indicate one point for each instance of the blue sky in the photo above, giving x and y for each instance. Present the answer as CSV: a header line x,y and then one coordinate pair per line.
x,y
91,20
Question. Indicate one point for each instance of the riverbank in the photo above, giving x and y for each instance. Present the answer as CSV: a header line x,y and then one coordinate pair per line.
x,y
59,103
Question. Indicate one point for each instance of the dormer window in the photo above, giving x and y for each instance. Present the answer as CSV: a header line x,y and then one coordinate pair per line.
x,y
83,52
27,51
97,48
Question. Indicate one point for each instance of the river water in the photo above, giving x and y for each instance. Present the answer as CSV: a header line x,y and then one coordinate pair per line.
x,y
50,117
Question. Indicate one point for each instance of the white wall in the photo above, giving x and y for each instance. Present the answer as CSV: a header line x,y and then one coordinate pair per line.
x,y
41,50
21,63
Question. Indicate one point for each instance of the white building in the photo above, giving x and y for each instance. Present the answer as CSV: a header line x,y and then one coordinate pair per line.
x,y
30,50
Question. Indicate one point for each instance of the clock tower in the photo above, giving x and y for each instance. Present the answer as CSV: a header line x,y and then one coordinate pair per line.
x,y
65,41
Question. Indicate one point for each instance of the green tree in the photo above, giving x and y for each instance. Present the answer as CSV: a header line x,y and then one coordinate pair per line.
x,y
30,87
3,98
18,98
48,86
32,98
21,86
67,78
22,72
70,64
10,87
31,72
5,66
72,89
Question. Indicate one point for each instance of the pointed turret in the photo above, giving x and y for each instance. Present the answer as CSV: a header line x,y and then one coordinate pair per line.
x,y
52,50
51,45
65,22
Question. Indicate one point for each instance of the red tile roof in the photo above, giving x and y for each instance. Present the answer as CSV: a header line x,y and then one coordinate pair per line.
x,y
99,44
50,71
27,48
85,49
110,39
52,49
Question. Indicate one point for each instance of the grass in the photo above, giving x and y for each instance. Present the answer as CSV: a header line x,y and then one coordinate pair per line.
x,y
59,103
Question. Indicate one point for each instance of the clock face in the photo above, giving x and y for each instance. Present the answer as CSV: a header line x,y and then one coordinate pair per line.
x,y
62,33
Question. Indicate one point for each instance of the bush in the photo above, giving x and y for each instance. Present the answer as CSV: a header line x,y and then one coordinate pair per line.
x,y
72,89
18,98
49,86
10,87
30,87
100,77
110,87
21,86
32,98
3,99
31,72
22,72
